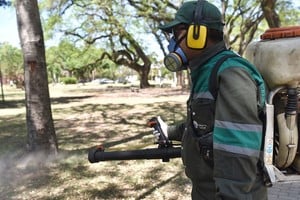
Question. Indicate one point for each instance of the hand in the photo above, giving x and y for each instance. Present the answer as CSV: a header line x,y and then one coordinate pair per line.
x,y
163,127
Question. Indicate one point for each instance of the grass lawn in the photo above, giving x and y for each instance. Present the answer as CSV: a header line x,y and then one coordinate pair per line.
x,y
86,116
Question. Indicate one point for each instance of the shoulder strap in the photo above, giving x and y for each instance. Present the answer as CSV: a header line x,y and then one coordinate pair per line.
x,y
213,82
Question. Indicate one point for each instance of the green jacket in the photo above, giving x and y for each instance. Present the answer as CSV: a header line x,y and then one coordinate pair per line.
x,y
236,127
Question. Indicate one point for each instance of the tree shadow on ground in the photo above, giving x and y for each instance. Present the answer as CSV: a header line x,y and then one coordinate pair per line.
x,y
158,184
112,125
12,133
69,99
109,124
59,100
80,128
111,191
12,104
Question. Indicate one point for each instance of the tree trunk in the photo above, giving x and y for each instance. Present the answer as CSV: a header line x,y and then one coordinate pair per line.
x,y
1,79
40,127
143,73
144,83
268,8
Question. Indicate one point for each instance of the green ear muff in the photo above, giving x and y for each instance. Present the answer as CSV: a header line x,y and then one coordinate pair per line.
x,y
196,36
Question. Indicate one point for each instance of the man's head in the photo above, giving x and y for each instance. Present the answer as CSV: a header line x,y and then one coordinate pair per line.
x,y
197,24
209,16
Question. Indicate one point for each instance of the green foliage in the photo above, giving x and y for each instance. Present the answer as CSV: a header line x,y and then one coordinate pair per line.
x,y
288,13
69,80
76,60
5,3
11,62
126,32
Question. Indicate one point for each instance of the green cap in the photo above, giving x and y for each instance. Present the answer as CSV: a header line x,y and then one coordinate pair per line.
x,y
211,16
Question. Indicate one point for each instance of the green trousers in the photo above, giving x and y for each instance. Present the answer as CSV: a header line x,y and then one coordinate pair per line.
x,y
200,172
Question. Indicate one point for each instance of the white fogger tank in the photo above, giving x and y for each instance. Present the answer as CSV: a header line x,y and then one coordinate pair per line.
x,y
277,57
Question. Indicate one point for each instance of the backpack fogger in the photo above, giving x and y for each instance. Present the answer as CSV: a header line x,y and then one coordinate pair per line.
x,y
277,57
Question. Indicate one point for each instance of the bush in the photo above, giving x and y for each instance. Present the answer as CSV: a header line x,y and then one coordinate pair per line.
x,y
69,80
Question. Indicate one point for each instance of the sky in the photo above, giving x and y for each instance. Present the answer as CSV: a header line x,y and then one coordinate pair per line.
x,y
8,25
